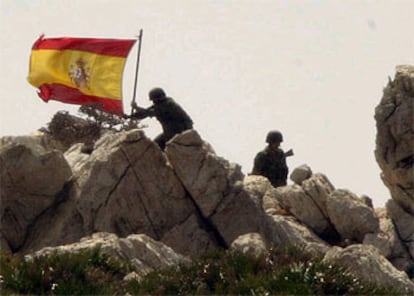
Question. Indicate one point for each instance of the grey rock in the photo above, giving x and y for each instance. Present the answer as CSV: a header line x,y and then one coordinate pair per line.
x,y
395,137
404,224
216,187
250,243
144,253
300,174
365,262
286,230
352,218
32,180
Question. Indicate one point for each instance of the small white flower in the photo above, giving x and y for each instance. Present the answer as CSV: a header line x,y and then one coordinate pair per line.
x,y
221,275
321,280
54,285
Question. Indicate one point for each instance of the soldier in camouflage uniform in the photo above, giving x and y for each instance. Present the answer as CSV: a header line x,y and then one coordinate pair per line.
x,y
271,162
171,116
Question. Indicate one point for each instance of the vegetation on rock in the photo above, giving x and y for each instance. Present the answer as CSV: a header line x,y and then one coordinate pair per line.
x,y
282,270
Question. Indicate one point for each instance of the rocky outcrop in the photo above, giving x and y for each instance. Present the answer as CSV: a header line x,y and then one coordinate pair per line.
x,y
121,190
395,137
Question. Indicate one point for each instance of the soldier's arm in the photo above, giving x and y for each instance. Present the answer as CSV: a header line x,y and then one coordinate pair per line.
x,y
258,164
141,113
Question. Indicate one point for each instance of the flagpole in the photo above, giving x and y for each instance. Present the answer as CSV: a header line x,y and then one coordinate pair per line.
x,y
136,71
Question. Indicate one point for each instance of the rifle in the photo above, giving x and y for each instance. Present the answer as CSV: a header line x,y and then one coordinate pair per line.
x,y
289,153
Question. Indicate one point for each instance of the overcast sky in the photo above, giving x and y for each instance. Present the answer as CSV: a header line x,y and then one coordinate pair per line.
x,y
314,70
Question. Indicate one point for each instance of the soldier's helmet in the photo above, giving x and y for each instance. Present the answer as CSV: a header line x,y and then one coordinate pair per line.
x,y
156,94
274,137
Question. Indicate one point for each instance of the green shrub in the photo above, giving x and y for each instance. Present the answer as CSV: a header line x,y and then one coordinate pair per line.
x,y
87,272
282,270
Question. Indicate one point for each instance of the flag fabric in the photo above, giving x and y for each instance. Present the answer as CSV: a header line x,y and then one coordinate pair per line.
x,y
80,70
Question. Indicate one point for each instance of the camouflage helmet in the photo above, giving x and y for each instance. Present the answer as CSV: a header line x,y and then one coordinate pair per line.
x,y
156,94
274,136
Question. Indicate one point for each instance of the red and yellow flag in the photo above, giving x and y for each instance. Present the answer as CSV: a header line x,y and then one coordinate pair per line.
x,y
80,70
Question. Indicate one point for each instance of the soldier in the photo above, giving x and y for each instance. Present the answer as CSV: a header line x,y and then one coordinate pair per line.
x,y
271,162
171,116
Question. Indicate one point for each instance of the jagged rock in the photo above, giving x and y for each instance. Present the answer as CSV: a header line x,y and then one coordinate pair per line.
x,y
190,238
270,203
257,186
300,174
144,253
215,186
387,241
31,179
250,243
395,137
367,201
352,218
263,193
319,188
127,186
286,230
404,224
365,262
294,199
308,203
205,175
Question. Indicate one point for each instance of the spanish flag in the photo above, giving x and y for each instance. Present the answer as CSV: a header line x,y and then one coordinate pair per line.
x,y
80,70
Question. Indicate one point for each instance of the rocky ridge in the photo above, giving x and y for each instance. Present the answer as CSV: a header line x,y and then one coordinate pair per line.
x,y
157,208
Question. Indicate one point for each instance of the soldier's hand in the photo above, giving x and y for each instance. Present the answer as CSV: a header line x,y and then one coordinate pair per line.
x,y
289,153
134,105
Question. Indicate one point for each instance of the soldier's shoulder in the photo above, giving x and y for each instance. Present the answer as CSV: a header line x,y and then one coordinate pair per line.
x,y
261,154
280,153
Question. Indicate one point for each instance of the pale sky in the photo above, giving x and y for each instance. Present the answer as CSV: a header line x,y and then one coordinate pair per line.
x,y
314,70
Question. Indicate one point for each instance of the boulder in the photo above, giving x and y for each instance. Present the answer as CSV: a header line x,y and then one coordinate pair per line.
x,y
366,262
257,187
295,200
395,137
215,186
250,243
319,188
352,218
144,253
32,180
286,230
300,174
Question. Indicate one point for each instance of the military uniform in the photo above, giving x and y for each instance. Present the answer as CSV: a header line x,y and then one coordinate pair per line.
x,y
271,165
171,116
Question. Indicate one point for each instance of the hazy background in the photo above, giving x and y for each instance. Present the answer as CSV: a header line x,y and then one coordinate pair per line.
x,y
315,70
